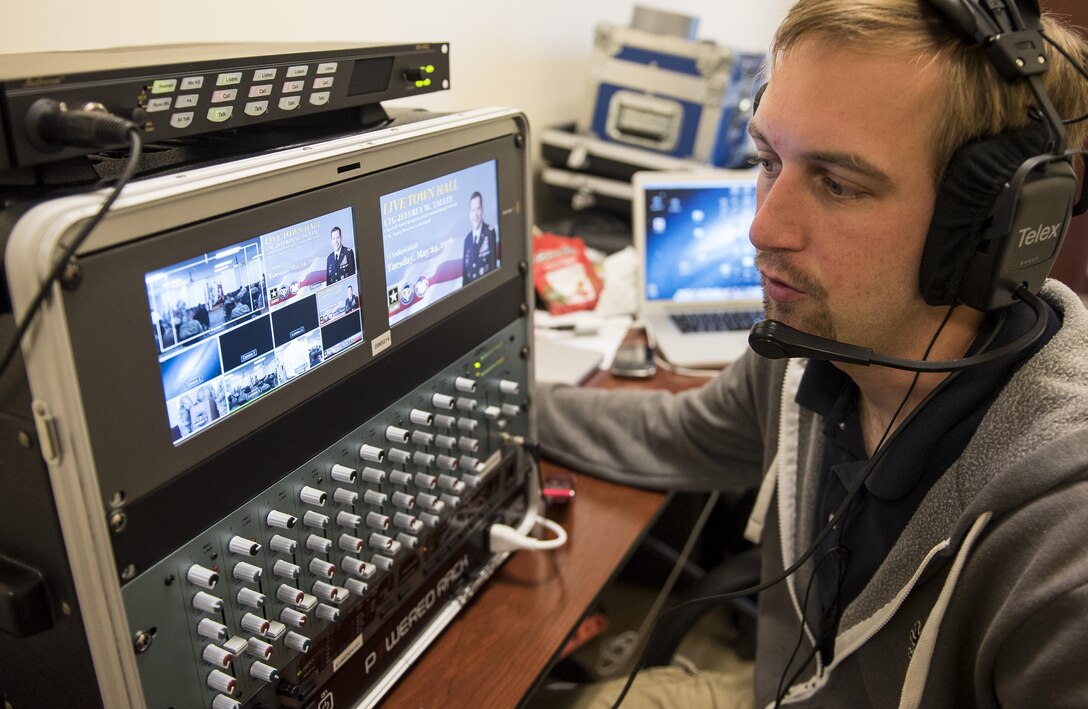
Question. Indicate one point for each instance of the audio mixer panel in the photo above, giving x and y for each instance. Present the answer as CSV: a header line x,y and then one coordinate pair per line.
x,y
345,556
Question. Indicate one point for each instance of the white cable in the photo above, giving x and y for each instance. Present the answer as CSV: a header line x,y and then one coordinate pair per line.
x,y
503,537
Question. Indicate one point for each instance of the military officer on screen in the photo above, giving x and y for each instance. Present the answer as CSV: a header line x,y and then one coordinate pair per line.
x,y
341,262
481,244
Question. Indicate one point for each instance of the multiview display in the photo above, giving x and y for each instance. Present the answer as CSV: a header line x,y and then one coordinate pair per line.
x,y
235,324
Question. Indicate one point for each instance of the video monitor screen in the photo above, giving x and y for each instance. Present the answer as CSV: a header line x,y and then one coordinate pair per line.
x,y
235,324
697,245
439,236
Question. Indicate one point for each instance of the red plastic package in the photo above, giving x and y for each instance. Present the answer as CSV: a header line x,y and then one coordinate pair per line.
x,y
563,275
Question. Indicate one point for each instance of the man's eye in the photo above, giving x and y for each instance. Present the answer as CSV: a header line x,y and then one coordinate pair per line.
x,y
765,164
838,189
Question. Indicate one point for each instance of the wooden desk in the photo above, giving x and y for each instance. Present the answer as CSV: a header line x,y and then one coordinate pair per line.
x,y
497,648
492,654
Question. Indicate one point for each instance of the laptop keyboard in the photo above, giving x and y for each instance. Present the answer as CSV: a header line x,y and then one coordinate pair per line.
x,y
716,321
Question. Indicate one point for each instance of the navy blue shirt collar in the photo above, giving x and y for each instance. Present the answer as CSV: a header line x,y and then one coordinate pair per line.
x,y
939,432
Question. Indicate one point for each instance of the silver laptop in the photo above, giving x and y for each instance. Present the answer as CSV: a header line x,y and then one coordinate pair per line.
x,y
698,287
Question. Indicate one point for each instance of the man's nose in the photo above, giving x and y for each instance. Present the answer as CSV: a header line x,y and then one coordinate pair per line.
x,y
779,206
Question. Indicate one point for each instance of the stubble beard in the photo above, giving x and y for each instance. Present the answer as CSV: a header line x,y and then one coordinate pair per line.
x,y
813,315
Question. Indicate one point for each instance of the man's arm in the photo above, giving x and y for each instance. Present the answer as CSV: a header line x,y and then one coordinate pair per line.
x,y
713,437
1043,663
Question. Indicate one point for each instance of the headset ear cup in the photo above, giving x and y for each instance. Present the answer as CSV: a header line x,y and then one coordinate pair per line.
x,y
975,178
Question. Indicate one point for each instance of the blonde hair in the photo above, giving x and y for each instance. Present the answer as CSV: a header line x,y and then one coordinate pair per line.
x,y
978,103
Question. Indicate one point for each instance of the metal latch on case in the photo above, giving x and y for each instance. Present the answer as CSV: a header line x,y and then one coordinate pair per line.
x,y
47,432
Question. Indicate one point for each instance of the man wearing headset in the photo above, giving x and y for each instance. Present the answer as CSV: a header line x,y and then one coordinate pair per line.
x,y
957,575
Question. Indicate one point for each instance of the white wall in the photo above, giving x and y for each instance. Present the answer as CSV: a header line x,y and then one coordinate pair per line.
x,y
532,55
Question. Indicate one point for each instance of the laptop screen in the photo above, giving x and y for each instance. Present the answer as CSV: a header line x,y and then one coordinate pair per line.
x,y
697,247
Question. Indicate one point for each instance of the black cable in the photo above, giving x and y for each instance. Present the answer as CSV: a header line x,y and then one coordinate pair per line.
x,y
1014,12
779,693
135,149
1079,69
811,654
878,455
1061,50
782,575
842,530
846,515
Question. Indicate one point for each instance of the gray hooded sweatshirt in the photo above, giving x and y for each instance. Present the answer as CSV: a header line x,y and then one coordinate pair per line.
x,y
983,600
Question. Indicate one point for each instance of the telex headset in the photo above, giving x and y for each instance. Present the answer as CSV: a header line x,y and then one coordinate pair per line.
x,y
1005,202
1003,206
